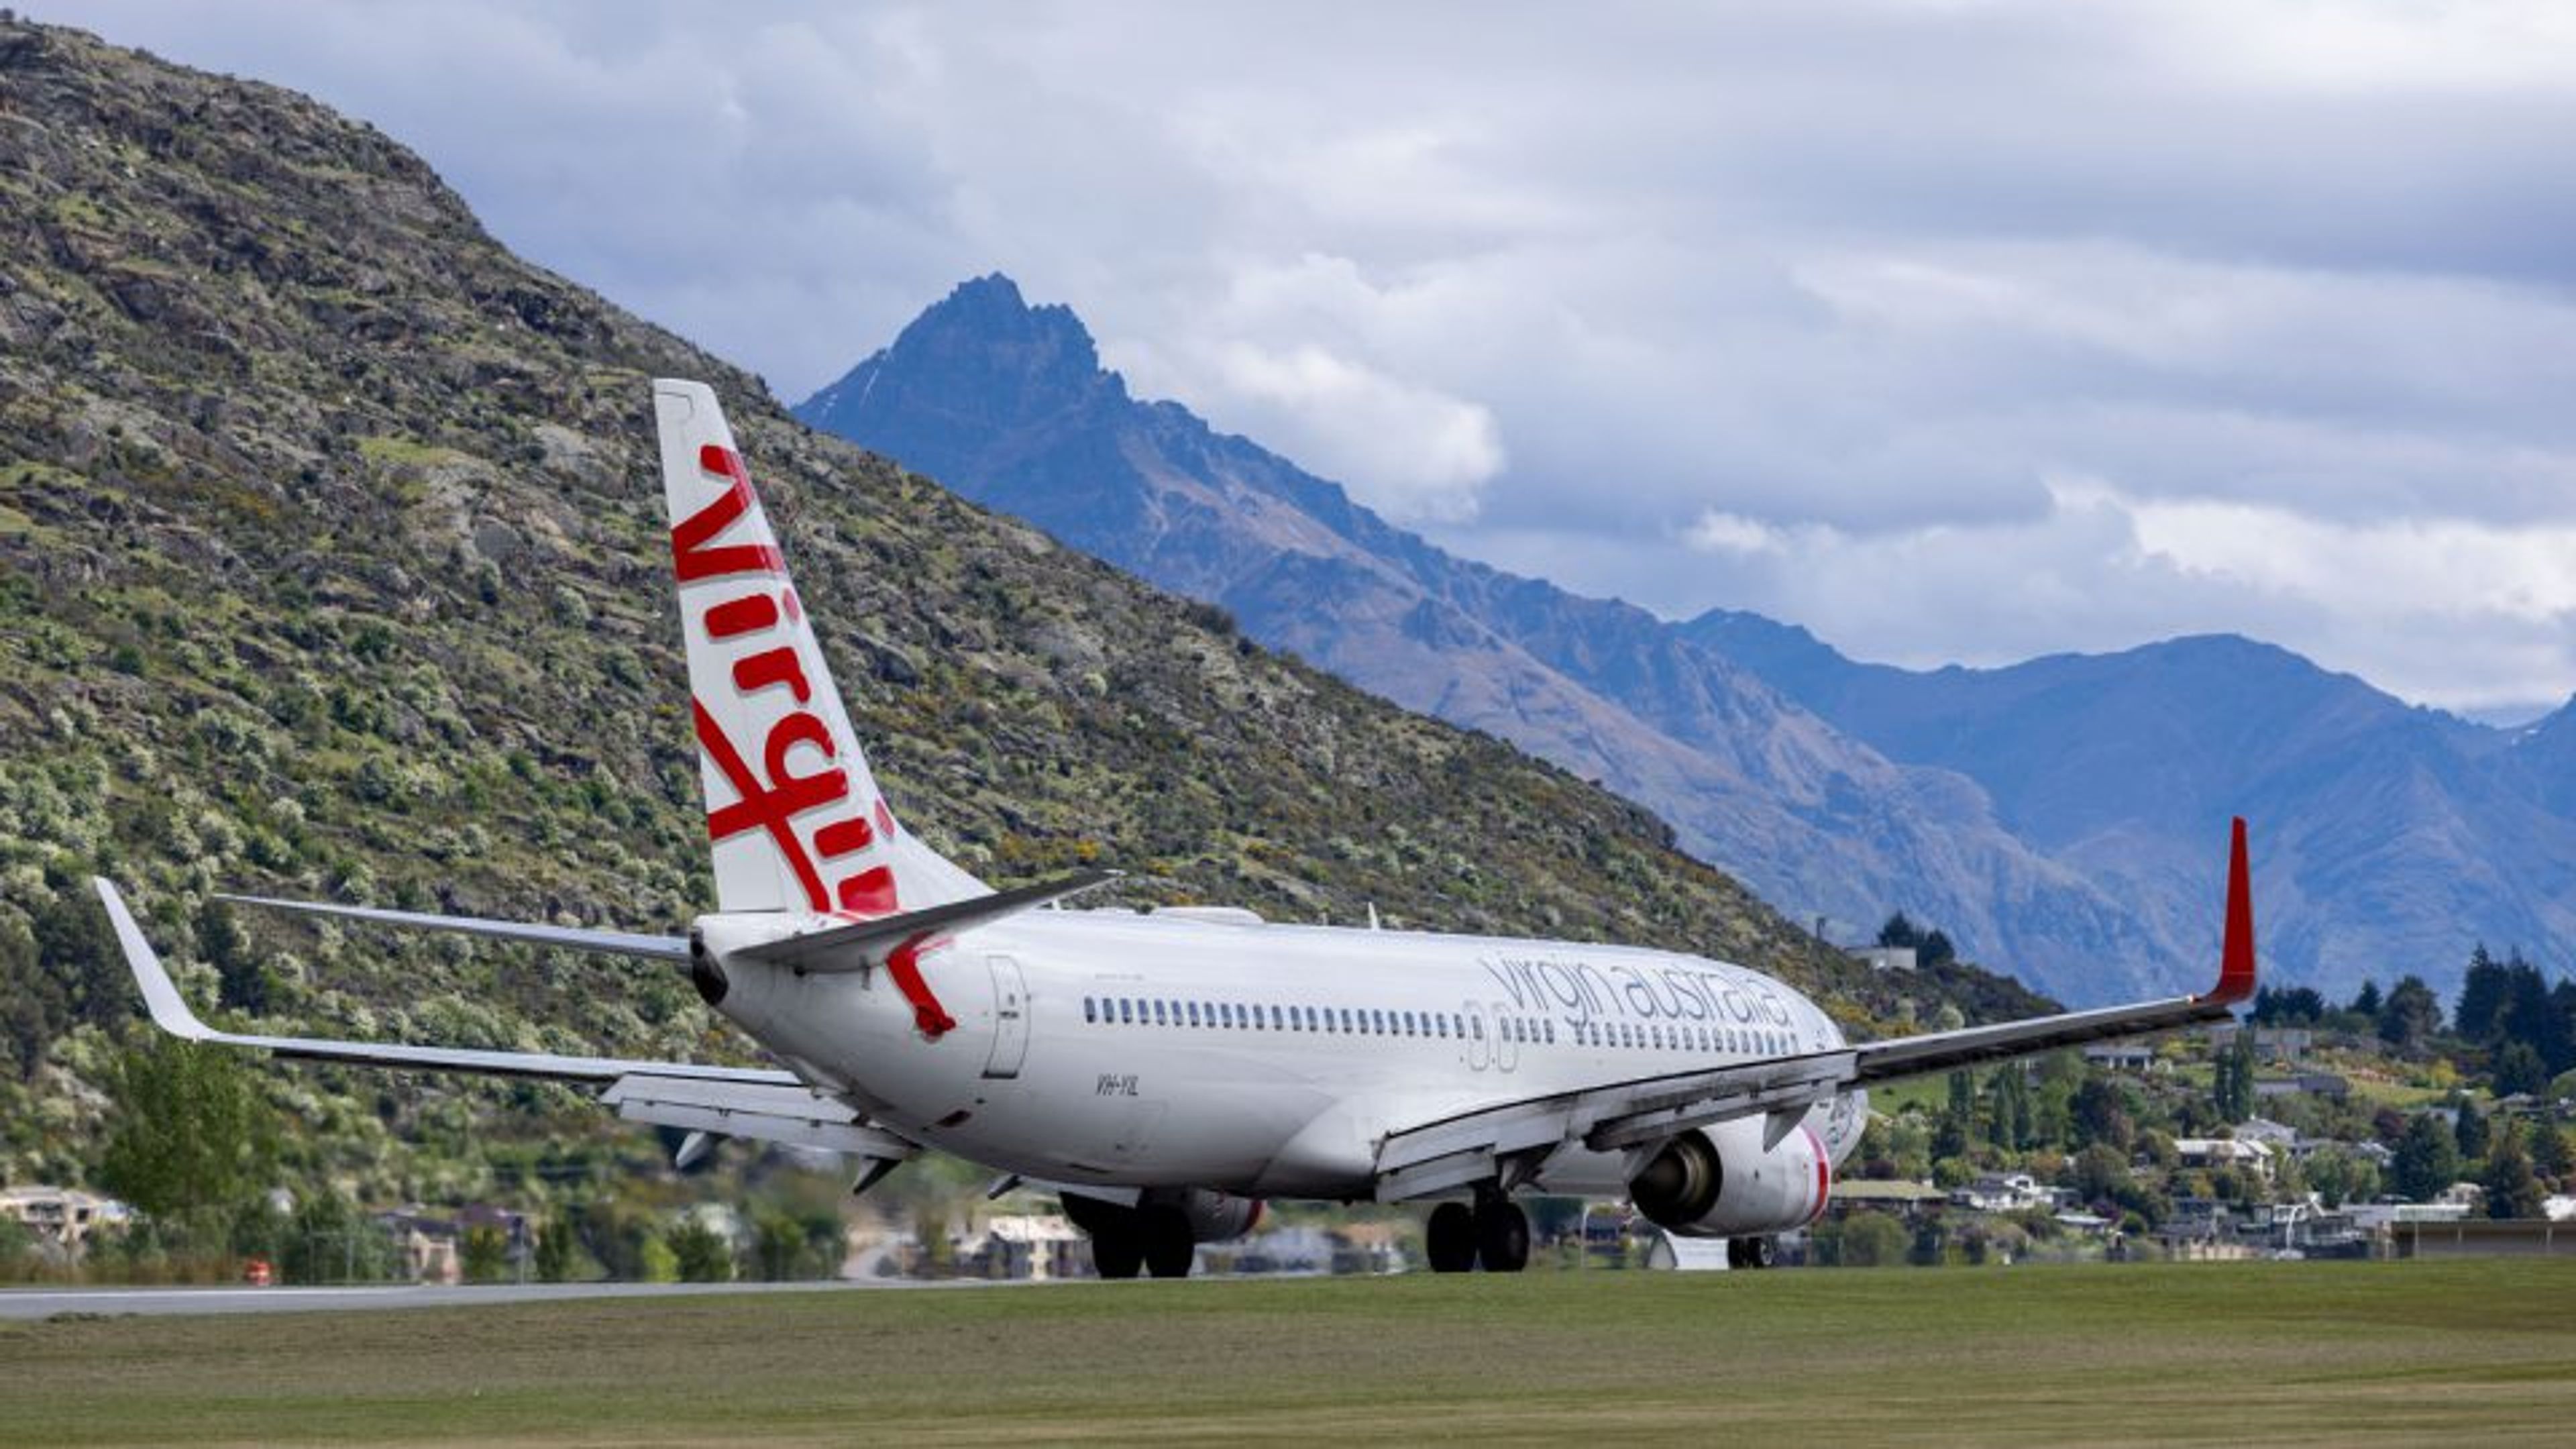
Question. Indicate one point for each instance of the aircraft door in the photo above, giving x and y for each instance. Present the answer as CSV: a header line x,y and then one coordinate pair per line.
x,y
1010,1018
1480,1046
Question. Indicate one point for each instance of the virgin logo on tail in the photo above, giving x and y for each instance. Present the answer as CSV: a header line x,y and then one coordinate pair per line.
x,y
769,792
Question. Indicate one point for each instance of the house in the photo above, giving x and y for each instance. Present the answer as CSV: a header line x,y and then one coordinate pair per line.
x,y
1036,1246
426,1245
2003,1192
1885,958
1908,1200
64,1216
2210,1153
2316,1084
2121,1056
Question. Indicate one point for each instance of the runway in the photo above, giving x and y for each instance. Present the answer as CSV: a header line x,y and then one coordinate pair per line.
x,y
42,1303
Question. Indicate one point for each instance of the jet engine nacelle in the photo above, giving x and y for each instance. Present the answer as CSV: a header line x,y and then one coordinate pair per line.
x,y
1213,1217
1718,1182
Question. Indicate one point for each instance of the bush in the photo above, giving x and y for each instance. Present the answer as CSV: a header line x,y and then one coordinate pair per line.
x,y
701,1253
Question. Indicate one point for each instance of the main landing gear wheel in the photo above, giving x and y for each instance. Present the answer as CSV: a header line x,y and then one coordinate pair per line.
x,y
1117,1246
1751,1252
1450,1238
1502,1235
1170,1248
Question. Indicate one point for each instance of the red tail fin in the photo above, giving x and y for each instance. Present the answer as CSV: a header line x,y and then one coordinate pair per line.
x,y
2236,960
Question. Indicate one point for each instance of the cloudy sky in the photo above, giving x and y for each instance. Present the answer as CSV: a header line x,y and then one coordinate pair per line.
x,y
1954,330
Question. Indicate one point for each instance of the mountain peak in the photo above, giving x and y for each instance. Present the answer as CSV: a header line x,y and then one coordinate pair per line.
x,y
982,347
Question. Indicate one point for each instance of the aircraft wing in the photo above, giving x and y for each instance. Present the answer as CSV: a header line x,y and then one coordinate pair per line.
x,y
1509,1140
764,1103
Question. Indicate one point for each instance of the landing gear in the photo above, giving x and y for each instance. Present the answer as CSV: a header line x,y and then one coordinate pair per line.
x,y
1450,1238
1502,1235
1752,1252
1494,1234
1151,1238
1170,1249
1117,1248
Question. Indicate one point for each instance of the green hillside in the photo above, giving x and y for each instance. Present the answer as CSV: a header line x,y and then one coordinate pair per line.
x,y
331,563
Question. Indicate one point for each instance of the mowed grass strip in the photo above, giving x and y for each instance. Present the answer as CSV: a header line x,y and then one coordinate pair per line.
x,y
2216,1353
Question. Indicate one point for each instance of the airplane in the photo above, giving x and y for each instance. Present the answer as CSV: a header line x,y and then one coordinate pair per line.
x,y
1167,1072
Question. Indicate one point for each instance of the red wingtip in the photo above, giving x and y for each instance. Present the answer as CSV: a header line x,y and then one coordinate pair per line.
x,y
2236,963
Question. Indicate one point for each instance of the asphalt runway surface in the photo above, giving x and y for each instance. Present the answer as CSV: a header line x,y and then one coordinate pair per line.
x,y
42,1303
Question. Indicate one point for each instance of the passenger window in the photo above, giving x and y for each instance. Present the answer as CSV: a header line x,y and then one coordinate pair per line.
x,y
1278,1022
1551,1033
1089,1012
1126,1011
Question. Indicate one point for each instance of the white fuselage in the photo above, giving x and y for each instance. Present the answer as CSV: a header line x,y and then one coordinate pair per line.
x,y
1117,1048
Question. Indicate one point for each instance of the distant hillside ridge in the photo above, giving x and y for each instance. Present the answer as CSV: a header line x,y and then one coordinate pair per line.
x,y
2393,832
332,563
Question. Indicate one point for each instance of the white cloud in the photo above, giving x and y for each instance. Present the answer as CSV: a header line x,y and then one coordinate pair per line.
x,y
1812,309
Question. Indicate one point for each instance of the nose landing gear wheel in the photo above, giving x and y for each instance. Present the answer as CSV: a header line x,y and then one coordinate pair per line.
x,y
1502,1235
1449,1239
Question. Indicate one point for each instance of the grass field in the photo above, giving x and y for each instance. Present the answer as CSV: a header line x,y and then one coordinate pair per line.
x,y
2477,1352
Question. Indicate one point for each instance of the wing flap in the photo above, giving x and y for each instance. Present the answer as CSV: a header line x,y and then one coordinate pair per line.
x,y
794,1115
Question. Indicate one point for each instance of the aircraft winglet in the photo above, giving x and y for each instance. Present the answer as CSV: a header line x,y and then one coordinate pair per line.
x,y
2236,958
169,1009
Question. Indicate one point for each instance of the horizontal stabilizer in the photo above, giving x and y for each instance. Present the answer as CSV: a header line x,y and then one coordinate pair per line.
x,y
866,944
573,938
171,1013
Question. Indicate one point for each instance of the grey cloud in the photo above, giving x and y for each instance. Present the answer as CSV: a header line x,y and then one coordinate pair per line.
x,y
1678,258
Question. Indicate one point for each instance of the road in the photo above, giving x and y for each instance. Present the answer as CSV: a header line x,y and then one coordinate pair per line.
x,y
41,1303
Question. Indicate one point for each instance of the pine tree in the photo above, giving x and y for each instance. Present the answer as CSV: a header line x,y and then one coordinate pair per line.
x,y
2427,1160
2512,1190
2411,1016
2470,1130
2366,1002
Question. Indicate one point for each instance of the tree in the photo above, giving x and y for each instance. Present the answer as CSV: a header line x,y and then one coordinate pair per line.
x,y
2482,993
2518,1068
2102,1115
2469,1126
1900,932
2549,1152
189,1132
484,1256
2366,1002
2427,1160
2232,1082
327,1240
556,1244
242,980
1871,1240
2411,1017
1936,950
2512,1189
701,1253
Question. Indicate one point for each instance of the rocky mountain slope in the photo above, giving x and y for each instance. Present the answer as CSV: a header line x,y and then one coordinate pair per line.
x,y
331,562
1008,404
